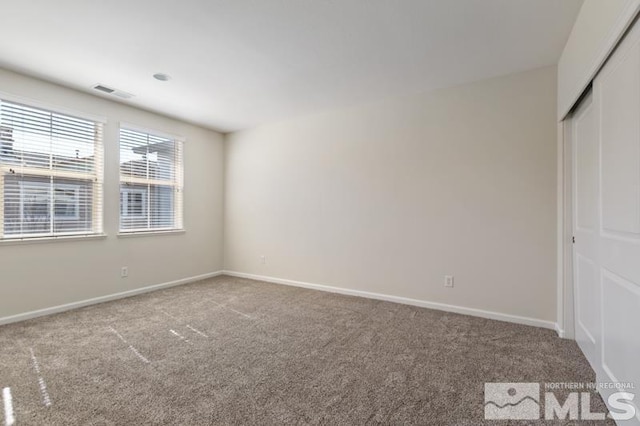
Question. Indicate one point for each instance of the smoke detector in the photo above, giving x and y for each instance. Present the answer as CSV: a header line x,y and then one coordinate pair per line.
x,y
162,76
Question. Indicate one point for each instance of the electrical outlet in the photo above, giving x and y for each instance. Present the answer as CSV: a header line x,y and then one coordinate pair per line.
x,y
124,272
448,280
263,259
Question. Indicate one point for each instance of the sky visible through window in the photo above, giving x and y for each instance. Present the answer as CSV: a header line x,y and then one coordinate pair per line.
x,y
44,144
37,131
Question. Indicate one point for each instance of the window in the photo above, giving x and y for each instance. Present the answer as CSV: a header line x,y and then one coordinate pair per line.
x,y
133,202
150,182
50,173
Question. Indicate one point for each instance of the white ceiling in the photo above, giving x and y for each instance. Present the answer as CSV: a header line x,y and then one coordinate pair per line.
x,y
239,63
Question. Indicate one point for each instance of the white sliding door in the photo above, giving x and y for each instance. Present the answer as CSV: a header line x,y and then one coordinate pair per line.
x,y
606,218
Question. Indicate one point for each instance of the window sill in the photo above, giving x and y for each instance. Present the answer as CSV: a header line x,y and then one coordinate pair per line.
x,y
44,240
135,234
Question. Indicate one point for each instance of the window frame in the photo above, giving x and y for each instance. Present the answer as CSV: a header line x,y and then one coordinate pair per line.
x,y
177,184
96,178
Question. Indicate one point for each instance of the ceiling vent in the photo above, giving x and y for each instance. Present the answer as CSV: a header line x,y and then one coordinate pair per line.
x,y
115,92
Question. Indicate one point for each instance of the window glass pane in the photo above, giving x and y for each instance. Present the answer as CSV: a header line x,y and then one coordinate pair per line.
x,y
27,206
72,206
162,213
133,206
34,206
66,202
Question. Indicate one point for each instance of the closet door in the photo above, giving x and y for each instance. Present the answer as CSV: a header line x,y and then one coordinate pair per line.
x,y
607,219
586,271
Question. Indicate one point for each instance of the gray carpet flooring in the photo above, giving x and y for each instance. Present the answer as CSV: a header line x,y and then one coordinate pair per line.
x,y
236,351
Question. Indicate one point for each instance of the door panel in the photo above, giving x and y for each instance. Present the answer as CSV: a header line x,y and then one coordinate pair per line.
x,y
619,87
620,354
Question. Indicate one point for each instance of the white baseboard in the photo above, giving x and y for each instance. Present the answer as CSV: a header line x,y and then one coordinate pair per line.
x,y
559,330
404,300
378,296
102,299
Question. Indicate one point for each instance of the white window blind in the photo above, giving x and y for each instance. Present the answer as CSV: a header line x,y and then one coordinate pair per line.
x,y
151,179
50,173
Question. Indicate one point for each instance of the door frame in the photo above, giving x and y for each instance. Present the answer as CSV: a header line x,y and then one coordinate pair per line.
x,y
565,326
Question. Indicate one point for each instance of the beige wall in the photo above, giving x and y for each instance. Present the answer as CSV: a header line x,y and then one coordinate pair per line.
x,y
386,198
42,275
390,197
